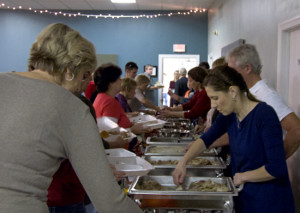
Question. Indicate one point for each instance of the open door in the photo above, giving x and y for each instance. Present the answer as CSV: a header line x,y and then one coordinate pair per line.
x,y
168,63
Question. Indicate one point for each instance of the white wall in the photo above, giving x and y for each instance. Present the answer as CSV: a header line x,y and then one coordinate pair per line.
x,y
256,21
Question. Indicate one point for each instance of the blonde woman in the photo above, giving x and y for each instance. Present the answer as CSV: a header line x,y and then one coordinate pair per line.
x,y
139,99
52,124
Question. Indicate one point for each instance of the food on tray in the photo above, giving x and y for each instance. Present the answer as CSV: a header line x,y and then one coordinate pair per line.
x,y
208,186
106,134
194,162
151,185
202,186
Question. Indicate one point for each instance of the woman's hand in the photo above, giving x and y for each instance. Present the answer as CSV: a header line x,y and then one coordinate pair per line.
x,y
187,147
199,128
238,179
166,113
179,173
132,114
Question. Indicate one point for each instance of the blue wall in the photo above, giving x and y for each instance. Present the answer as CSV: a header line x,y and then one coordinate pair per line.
x,y
139,40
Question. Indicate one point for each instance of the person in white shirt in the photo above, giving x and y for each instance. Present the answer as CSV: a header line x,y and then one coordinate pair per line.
x,y
245,60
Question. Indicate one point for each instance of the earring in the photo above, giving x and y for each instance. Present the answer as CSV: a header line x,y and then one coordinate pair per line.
x,y
69,79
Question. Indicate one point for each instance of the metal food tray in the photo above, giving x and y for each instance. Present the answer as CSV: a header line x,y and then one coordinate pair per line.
x,y
182,133
168,140
179,125
172,193
218,160
167,150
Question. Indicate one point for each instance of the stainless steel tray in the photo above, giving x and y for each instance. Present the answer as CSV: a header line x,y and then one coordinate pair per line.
x,y
174,150
183,133
168,140
172,193
179,125
218,161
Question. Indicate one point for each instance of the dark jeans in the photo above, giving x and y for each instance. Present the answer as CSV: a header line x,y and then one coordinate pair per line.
x,y
75,208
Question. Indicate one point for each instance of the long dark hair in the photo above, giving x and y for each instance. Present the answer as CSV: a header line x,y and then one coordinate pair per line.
x,y
223,77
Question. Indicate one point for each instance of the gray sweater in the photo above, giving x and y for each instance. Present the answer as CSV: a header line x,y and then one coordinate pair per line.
x,y
42,124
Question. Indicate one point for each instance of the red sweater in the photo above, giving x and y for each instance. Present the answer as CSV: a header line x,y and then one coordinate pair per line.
x,y
65,188
90,89
198,106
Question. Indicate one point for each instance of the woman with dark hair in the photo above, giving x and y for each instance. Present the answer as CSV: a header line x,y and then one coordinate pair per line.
x,y
108,84
199,104
256,144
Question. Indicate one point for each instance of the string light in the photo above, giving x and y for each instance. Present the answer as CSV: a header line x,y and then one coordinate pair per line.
x,y
69,14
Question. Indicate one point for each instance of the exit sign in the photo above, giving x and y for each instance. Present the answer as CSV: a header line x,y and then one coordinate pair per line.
x,y
178,48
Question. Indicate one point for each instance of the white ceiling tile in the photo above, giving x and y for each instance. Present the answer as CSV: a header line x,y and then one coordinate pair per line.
x,y
107,5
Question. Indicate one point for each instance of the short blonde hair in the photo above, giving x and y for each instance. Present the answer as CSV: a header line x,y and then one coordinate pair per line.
x,y
142,79
128,84
58,48
219,62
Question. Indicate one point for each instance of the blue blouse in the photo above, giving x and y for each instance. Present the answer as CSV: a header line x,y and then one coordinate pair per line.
x,y
254,142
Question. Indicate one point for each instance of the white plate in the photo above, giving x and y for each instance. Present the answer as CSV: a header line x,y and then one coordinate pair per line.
x,y
132,166
113,137
106,124
148,121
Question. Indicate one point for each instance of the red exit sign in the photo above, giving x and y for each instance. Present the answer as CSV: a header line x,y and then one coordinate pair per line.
x,y
178,48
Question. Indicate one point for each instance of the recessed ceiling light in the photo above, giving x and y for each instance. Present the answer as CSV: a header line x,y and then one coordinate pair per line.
x,y
123,1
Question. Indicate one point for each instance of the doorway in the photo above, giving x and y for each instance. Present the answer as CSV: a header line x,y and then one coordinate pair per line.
x,y
288,77
167,64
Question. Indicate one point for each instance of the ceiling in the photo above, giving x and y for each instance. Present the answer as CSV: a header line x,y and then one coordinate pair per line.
x,y
107,5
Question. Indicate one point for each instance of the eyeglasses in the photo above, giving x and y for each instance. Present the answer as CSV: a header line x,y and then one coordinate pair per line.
x,y
86,76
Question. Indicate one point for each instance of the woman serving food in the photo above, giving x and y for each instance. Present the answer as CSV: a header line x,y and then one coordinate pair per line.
x,y
256,145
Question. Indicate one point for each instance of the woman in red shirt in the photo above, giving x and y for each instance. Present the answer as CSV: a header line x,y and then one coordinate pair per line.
x,y
199,104
108,84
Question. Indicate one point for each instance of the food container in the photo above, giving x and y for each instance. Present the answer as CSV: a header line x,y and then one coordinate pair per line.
x,y
182,198
148,121
128,162
167,140
132,166
173,191
177,133
179,125
174,149
203,162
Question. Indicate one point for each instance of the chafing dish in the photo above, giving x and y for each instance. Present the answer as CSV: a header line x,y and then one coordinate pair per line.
x,y
183,199
217,162
174,149
183,133
179,125
168,140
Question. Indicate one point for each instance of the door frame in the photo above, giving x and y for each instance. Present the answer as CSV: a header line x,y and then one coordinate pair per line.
x,y
160,67
283,56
